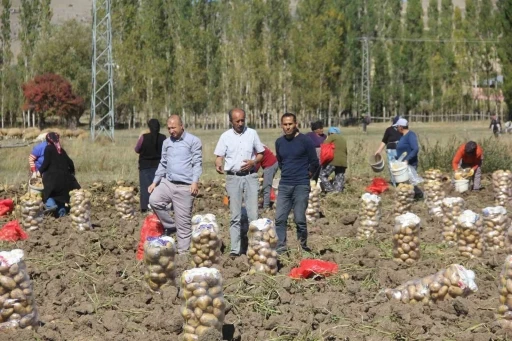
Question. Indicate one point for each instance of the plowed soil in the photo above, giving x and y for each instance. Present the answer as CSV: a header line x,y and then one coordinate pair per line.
x,y
89,285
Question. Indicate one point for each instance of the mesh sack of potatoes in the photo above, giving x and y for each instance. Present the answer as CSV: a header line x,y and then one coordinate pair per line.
x,y
159,269
369,216
17,303
80,212
406,239
470,234
31,209
433,175
262,246
313,210
125,202
454,281
502,185
434,196
505,289
404,197
205,244
452,208
203,305
496,223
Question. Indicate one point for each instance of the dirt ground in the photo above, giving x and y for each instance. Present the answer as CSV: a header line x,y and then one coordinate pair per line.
x,y
89,286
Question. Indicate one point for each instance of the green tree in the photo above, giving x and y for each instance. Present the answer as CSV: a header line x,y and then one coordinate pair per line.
x,y
6,57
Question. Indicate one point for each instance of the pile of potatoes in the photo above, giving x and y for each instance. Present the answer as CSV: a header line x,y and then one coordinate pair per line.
x,y
262,246
502,185
369,216
17,304
125,202
313,210
505,289
80,209
159,270
433,175
496,224
452,209
205,244
404,197
469,234
406,239
434,196
203,305
31,209
454,281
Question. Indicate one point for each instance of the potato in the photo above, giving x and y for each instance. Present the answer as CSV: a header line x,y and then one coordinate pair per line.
x,y
469,234
261,249
404,249
502,183
31,208
156,274
124,200
369,216
404,197
452,208
313,209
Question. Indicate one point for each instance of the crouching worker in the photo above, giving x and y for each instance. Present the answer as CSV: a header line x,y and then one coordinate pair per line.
x,y
470,156
58,172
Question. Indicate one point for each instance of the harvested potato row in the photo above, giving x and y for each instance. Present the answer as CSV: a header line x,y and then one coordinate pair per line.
x,y
203,305
369,216
452,208
159,263
31,207
80,212
434,196
470,234
433,175
496,223
406,239
17,303
205,244
125,202
262,246
313,210
454,281
505,289
502,185
404,197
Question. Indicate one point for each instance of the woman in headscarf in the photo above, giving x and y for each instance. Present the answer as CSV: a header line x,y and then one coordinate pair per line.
x,y
58,172
149,148
338,165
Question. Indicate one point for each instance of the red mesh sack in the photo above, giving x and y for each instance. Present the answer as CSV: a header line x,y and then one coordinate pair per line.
x,y
12,232
6,206
377,186
313,267
152,227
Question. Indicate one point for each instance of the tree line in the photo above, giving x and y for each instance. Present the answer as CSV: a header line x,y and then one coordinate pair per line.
x,y
199,58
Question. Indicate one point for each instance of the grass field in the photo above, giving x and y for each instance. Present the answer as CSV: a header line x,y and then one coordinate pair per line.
x,y
107,161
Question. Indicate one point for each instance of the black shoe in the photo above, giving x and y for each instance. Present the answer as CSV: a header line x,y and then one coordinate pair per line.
x,y
168,232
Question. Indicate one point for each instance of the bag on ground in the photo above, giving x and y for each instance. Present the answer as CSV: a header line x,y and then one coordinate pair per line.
x,y
12,232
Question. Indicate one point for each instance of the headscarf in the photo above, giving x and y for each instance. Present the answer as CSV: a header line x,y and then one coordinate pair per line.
x,y
154,130
395,119
54,138
334,130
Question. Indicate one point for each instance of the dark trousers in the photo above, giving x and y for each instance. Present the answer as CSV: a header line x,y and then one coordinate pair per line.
x,y
289,197
146,177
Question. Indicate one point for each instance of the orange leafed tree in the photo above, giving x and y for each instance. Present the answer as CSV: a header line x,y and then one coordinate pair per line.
x,y
51,94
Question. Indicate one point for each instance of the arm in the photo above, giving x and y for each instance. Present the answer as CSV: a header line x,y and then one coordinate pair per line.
x,y
71,164
139,144
197,165
46,163
258,147
457,158
32,162
278,156
220,151
381,147
415,148
313,162
162,166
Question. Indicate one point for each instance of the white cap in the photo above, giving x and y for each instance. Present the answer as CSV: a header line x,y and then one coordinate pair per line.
x,y
401,122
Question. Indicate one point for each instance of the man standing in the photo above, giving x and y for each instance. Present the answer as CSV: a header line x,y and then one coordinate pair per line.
x,y
470,155
269,165
495,125
298,162
176,181
241,149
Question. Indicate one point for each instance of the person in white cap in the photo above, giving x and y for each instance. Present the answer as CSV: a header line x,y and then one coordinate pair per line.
x,y
408,143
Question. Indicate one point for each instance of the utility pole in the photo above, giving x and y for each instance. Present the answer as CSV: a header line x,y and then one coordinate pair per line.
x,y
364,103
102,97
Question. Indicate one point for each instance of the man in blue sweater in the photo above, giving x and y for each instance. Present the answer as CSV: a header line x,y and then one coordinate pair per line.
x,y
298,162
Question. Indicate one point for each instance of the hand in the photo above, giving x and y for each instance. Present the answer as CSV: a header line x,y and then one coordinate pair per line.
x,y
377,152
218,168
34,175
471,172
249,164
194,188
39,174
151,188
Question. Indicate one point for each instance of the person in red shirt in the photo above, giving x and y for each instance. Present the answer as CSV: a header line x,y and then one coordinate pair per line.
x,y
270,166
470,155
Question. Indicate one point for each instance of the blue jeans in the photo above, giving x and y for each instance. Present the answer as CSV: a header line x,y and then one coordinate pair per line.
x,y
391,153
61,208
289,197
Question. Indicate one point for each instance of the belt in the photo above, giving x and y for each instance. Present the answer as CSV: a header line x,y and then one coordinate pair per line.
x,y
239,173
179,183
